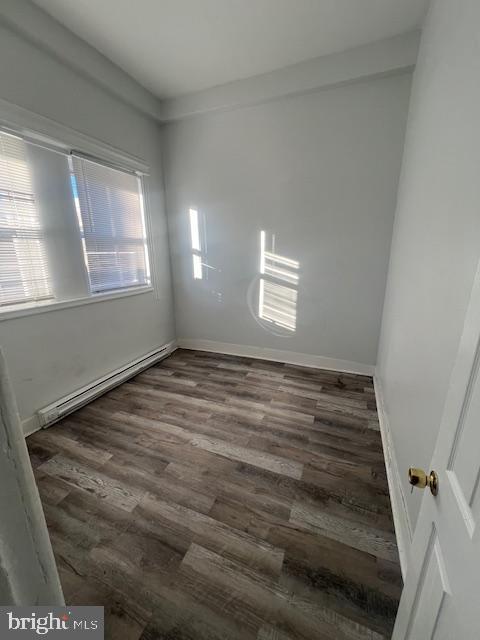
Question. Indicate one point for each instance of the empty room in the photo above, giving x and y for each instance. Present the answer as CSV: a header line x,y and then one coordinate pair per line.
x,y
240,319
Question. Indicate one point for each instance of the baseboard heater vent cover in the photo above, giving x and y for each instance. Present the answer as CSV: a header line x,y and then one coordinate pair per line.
x,y
62,407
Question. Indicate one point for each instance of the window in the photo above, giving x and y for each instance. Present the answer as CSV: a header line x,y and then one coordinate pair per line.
x,y
24,273
71,227
110,213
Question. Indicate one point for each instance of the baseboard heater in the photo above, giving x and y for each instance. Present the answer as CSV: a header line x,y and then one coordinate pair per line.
x,y
62,407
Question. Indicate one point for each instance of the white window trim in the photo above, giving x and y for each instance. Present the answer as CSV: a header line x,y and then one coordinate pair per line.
x,y
50,133
27,309
34,127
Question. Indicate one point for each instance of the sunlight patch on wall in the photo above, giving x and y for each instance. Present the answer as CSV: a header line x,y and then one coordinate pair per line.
x,y
197,257
278,286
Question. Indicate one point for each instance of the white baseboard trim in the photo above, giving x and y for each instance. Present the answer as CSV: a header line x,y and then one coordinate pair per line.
x,y
30,425
63,406
278,355
401,519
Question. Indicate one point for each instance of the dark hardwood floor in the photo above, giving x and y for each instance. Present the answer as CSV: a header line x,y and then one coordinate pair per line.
x,y
217,497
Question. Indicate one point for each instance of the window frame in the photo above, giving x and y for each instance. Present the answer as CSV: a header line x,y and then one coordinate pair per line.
x,y
143,220
44,132
29,309
26,226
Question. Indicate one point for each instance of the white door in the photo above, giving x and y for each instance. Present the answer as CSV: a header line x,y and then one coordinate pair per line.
x,y
28,573
441,597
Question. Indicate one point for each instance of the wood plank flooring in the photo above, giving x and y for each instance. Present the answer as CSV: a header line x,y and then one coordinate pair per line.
x,y
216,497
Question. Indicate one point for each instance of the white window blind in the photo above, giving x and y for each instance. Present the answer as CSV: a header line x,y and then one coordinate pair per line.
x,y
110,211
23,262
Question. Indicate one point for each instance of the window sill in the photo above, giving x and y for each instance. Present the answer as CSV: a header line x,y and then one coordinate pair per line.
x,y
18,311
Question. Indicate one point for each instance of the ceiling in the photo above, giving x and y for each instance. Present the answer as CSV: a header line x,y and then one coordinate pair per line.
x,y
173,47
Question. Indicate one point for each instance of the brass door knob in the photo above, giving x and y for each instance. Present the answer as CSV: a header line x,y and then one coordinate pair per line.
x,y
418,478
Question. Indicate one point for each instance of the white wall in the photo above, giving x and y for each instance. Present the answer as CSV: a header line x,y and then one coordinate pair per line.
x,y
436,237
54,353
318,170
